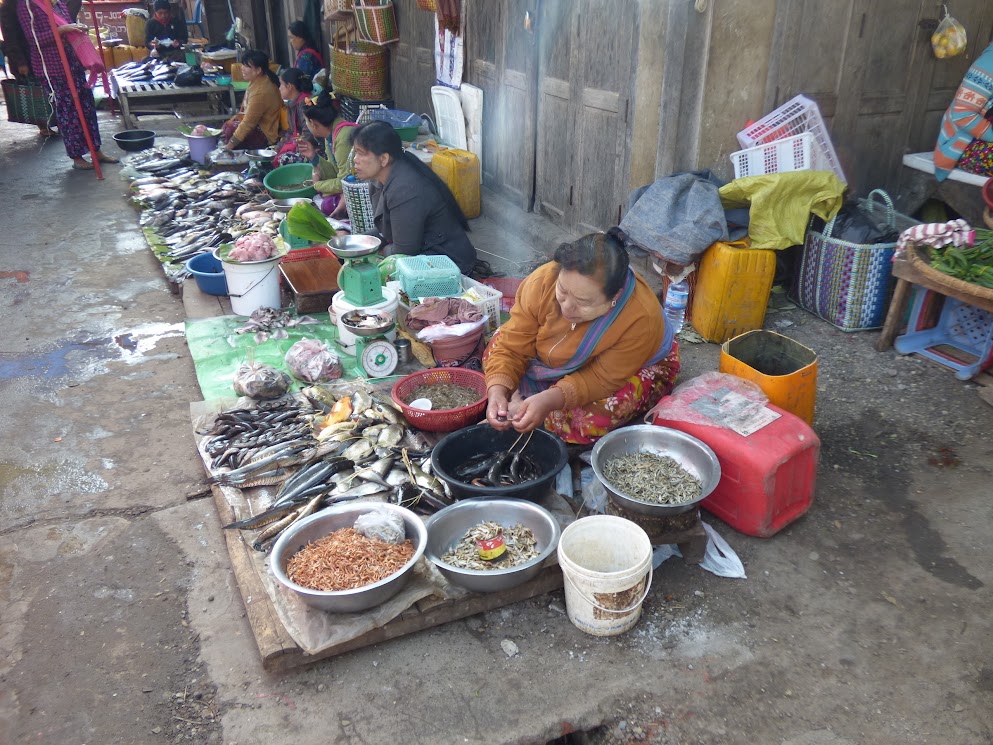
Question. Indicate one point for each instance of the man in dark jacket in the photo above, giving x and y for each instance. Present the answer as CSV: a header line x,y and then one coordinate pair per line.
x,y
164,26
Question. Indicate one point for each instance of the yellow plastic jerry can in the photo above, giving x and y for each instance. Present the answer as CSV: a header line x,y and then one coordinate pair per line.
x,y
122,55
732,289
459,169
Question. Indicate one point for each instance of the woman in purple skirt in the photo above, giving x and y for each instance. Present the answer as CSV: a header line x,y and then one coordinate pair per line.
x,y
47,64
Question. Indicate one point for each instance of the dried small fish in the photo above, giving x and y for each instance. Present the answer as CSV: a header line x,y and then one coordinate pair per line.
x,y
444,396
652,477
521,544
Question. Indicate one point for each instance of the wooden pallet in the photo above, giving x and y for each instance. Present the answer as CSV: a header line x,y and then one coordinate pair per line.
x,y
276,647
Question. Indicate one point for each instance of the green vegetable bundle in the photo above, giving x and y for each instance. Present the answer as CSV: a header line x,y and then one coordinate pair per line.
x,y
306,221
969,263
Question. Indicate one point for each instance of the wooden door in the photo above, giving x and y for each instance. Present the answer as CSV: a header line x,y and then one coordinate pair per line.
x,y
412,59
502,61
586,57
869,66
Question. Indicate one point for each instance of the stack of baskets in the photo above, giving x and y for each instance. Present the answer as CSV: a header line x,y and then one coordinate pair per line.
x,y
791,138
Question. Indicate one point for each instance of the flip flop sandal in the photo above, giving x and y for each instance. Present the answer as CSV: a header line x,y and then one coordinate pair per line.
x,y
81,167
108,159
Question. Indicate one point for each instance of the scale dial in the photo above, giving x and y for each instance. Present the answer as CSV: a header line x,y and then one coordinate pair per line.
x,y
379,358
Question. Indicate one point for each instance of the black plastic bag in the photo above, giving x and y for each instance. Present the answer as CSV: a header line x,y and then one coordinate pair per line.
x,y
855,226
188,76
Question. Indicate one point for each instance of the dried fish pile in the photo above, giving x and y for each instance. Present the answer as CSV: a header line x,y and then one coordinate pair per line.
x,y
445,395
347,560
521,544
270,323
653,478
322,451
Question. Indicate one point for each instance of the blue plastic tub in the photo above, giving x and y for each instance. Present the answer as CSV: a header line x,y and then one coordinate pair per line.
x,y
209,274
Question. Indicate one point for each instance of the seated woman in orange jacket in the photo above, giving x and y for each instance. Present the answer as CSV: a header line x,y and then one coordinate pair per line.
x,y
256,126
586,348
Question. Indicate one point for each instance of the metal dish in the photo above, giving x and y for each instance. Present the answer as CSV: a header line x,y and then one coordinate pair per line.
x,y
692,454
260,156
328,521
446,528
285,205
353,246
385,325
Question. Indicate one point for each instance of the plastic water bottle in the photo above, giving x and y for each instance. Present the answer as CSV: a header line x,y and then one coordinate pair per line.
x,y
676,298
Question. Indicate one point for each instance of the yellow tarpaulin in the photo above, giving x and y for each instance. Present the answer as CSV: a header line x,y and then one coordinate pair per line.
x,y
781,204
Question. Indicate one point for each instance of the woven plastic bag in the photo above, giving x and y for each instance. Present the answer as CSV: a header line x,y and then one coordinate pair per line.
x,y
949,39
358,200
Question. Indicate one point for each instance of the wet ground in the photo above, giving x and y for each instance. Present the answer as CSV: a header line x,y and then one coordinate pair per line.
x,y
864,622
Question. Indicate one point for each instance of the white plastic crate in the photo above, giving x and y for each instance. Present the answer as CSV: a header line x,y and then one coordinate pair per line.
x,y
489,302
791,154
794,117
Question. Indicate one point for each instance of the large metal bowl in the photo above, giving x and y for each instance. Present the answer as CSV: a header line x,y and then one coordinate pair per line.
x,y
285,205
353,246
328,521
446,528
692,454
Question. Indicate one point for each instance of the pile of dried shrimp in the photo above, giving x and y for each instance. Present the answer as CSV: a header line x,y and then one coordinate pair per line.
x,y
346,560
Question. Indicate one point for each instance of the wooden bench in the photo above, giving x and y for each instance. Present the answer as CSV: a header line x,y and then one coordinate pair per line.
x,y
960,191
160,99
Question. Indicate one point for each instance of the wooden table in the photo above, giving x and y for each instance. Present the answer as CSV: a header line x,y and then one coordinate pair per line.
x,y
906,275
160,99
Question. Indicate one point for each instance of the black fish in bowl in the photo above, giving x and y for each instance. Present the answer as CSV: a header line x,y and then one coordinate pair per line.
x,y
477,461
134,140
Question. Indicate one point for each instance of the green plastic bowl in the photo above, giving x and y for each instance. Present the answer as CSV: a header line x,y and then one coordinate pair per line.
x,y
295,173
407,134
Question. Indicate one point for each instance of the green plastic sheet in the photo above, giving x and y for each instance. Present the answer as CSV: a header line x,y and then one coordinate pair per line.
x,y
217,351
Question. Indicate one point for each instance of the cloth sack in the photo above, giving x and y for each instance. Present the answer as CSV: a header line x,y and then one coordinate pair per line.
x,y
677,218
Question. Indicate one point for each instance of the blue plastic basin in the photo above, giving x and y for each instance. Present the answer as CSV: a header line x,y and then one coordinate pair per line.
x,y
209,274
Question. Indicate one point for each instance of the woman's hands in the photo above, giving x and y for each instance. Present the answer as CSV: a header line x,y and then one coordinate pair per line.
x,y
531,412
66,28
306,148
523,414
498,407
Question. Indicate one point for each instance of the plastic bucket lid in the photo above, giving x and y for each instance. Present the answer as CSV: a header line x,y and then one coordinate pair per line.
x,y
607,567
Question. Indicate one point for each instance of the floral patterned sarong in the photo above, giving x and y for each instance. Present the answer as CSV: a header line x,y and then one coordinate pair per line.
x,y
584,425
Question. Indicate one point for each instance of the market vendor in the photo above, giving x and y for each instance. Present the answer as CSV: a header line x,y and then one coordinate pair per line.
x,y
328,152
308,59
965,140
256,125
586,348
165,30
415,212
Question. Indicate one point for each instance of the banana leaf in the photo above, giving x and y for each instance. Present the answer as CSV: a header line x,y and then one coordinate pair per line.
x,y
305,221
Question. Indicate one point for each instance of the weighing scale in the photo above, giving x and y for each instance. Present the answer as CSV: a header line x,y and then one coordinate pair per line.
x,y
362,288
260,162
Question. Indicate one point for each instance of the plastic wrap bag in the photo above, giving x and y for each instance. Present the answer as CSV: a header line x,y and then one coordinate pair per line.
x,y
852,224
382,525
949,39
710,388
313,361
255,380
441,331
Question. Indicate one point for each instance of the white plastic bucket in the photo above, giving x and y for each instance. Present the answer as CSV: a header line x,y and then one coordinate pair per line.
x,y
607,567
200,146
252,285
340,306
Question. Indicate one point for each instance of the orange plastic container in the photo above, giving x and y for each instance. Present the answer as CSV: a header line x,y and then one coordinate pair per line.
x,y
732,289
108,57
783,368
459,169
138,53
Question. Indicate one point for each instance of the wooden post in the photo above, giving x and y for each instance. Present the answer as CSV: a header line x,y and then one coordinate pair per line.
x,y
72,88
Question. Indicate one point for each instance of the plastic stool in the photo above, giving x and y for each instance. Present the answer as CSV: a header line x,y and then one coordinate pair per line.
x,y
961,326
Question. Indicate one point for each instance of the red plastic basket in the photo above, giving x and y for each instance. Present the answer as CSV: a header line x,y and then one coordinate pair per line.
x,y
447,420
